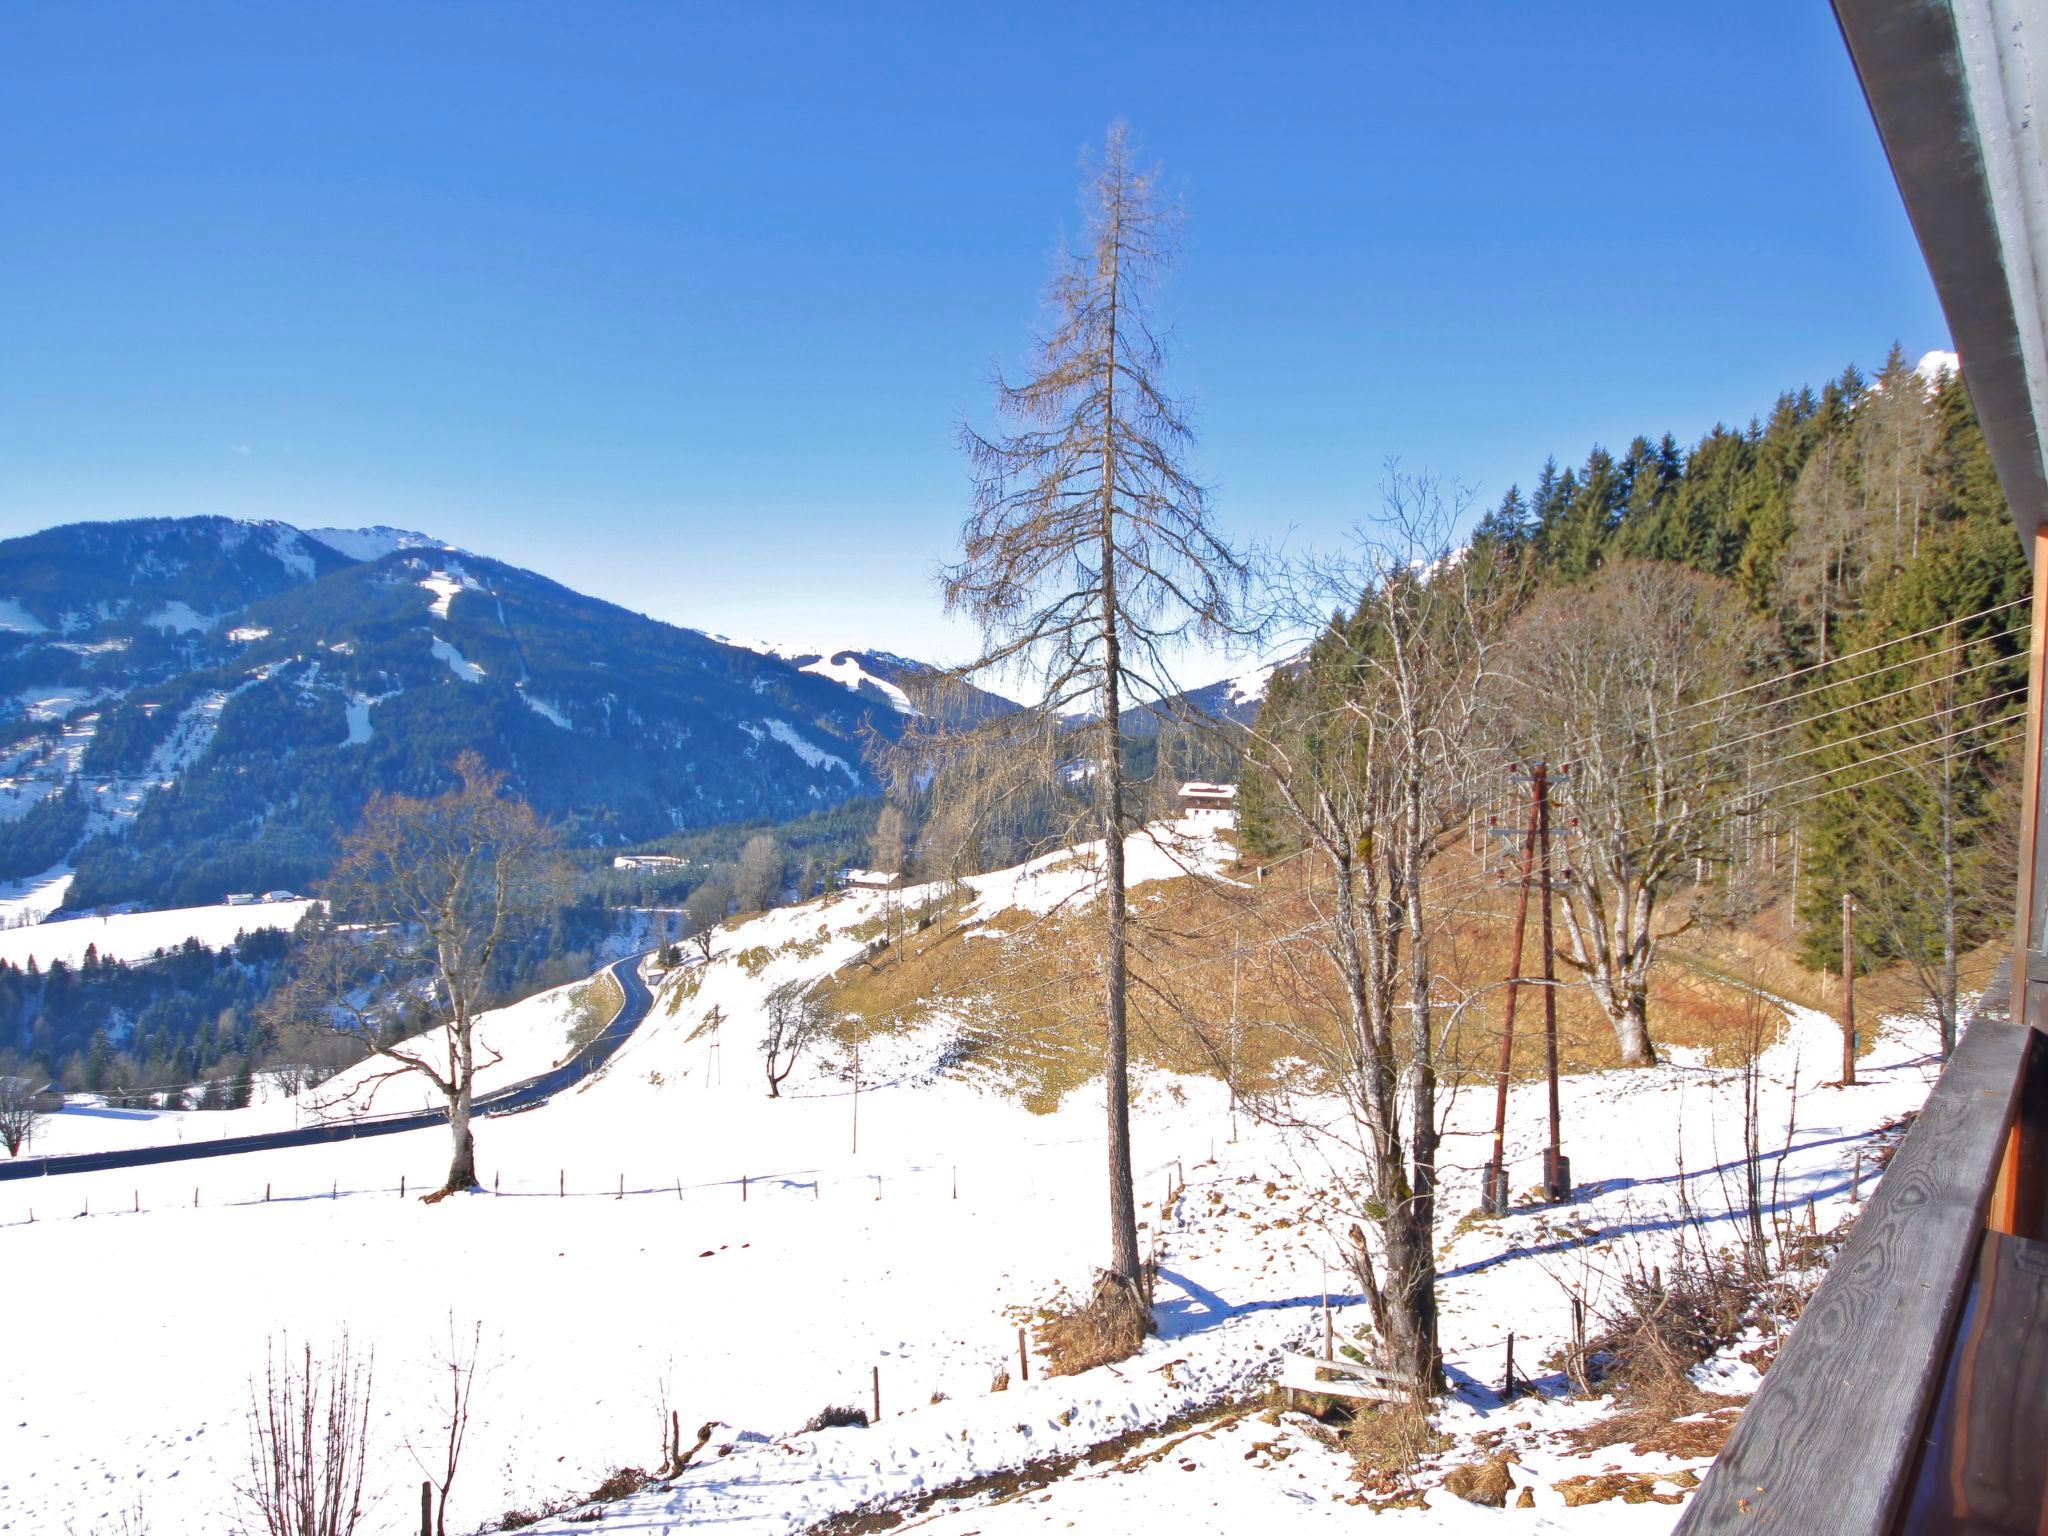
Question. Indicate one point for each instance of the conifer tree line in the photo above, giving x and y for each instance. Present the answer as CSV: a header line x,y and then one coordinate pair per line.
x,y
1788,660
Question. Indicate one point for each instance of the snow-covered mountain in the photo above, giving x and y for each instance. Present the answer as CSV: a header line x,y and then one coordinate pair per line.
x,y
375,542
876,676
190,707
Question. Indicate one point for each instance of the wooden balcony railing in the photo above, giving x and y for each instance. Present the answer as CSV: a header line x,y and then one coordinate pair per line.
x,y
1913,1394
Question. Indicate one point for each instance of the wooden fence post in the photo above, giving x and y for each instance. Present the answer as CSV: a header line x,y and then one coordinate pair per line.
x,y
401,1186
878,1395
1023,1358
426,1508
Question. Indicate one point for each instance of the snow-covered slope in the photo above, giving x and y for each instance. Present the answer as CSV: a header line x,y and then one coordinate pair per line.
x,y
375,542
670,1237
132,936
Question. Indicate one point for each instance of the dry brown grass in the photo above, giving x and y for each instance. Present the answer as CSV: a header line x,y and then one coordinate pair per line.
x,y
1111,1325
1481,1482
1387,1444
1028,986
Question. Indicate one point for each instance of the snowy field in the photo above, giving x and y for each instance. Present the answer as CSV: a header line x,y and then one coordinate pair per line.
x,y
667,1234
138,935
24,903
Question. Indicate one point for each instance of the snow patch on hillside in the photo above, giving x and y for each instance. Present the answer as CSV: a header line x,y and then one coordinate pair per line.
x,y
18,620
359,728
24,903
372,543
459,664
444,585
546,711
181,618
814,756
290,548
844,668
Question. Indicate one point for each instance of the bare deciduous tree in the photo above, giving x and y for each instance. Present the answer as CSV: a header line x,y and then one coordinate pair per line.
x,y
1366,758
796,1016
1631,680
21,1084
705,908
764,867
426,891
460,1363
309,1442
1089,555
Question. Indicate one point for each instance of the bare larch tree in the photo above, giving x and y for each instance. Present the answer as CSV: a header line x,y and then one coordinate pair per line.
x,y
1089,556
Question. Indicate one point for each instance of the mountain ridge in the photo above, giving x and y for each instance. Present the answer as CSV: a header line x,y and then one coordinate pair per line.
x,y
193,706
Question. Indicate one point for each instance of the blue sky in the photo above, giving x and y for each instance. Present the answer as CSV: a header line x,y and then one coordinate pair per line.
x,y
681,304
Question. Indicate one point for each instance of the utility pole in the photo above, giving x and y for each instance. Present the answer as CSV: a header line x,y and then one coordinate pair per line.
x,y
1557,1168
856,1096
1236,958
1494,1197
1848,990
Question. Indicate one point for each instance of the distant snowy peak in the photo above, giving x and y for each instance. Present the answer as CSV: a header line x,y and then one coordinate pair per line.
x,y
866,674
851,671
1236,700
375,542
1933,365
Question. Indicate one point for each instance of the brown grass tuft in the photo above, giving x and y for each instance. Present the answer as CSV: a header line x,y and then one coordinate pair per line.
x,y
1113,1325
1387,1444
1481,1482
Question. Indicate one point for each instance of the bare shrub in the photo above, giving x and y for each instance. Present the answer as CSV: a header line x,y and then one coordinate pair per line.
x,y
129,1522
837,1416
20,1084
1659,1330
619,1483
1112,1325
459,1362
309,1441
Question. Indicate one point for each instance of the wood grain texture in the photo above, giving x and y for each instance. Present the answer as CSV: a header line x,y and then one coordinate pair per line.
x,y
1832,1435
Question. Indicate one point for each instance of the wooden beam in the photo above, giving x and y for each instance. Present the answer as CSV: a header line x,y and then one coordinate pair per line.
x,y
2031,846
1831,1438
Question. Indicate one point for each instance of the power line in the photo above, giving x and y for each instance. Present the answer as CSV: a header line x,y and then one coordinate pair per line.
x,y
1868,650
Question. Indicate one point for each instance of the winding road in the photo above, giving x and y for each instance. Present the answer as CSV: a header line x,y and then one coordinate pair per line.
x,y
528,1094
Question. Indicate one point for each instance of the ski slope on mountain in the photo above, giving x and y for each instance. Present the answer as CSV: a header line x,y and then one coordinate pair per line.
x,y
667,1236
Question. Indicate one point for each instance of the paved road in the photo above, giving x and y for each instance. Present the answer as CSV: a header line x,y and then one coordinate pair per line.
x,y
523,1095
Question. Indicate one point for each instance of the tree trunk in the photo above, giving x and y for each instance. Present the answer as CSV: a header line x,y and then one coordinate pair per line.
x,y
462,1165
1123,1202
1407,1318
1631,1020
